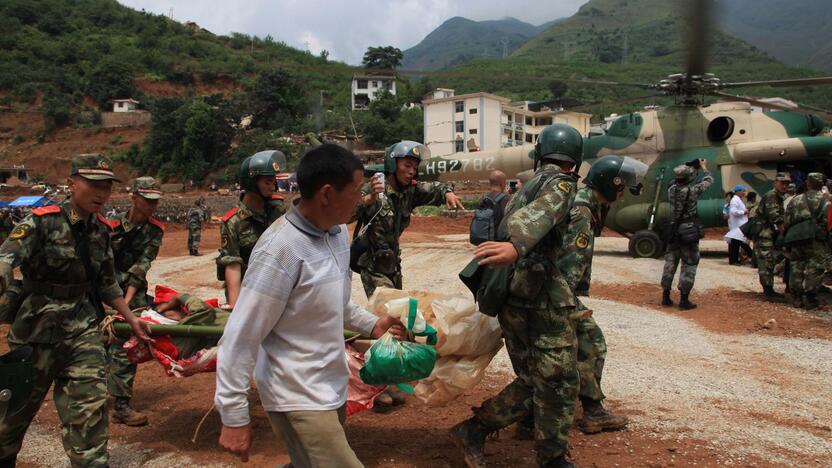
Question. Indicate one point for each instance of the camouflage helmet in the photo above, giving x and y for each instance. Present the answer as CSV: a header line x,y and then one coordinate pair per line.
x,y
264,163
559,142
612,174
147,187
404,149
683,172
816,177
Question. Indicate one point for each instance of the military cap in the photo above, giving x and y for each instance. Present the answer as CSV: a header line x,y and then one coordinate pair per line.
x,y
791,187
147,187
816,177
683,171
782,176
93,167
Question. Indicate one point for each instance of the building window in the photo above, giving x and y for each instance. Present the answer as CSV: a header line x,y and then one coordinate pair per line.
x,y
472,131
120,105
362,84
459,146
529,138
529,121
375,84
508,118
460,106
472,110
544,121
460,126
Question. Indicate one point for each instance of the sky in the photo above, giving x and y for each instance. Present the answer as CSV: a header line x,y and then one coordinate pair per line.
x,y
346,28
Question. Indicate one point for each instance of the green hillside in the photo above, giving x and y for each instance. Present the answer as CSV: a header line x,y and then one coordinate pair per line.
x,y
630,31
797,32
460,40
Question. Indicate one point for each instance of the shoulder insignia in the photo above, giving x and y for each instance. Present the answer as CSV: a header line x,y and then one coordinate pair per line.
x,y
20,231
110,224
276,196
582,240
44,210
228,214
564,186
156,223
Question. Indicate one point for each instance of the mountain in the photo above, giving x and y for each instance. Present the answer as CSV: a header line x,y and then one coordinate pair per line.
x,y
797,32
459,40
630,31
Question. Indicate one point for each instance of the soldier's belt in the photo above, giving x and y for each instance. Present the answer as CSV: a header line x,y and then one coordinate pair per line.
x,y
56,291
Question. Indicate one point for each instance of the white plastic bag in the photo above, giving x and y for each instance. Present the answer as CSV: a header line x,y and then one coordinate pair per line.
x,y
462,329
451,377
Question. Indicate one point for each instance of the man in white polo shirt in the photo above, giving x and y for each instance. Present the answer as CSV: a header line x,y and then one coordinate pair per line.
x,y
289,320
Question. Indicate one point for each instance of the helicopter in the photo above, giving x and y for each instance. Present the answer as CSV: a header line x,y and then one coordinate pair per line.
x,y
741,144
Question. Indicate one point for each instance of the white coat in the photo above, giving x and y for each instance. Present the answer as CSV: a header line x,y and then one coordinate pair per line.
x,y
737,216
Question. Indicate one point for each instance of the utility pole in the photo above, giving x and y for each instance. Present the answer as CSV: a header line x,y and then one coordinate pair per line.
x,y
505,47
307,46
170,13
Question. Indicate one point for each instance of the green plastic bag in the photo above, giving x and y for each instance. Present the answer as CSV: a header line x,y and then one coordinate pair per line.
x,y
392,361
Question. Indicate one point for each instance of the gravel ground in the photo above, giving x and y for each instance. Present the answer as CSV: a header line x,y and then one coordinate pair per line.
x,y
749,395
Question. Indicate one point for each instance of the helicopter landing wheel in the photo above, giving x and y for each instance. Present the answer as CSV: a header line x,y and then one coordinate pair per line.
x,y
646,244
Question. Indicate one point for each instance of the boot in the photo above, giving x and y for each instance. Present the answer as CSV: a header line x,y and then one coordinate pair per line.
x,y
469,436
810,301
124,414
524,429
10,462
596,418
560,462
666,300
685,303
770,293
796,300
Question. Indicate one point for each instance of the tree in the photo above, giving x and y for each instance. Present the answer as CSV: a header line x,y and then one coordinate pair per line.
x,y
111,79
382,57
276,100
387,123
558,88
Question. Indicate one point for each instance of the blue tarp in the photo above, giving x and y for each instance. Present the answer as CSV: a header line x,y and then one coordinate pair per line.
x,y
3,204
31,201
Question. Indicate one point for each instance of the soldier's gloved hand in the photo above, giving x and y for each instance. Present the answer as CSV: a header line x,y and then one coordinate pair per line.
x,y
453,201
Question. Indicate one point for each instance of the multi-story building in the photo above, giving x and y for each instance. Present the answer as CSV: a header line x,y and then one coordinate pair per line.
x,y
366,86
487,122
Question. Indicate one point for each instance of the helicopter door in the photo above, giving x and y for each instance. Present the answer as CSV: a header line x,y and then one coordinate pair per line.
x,y
648,136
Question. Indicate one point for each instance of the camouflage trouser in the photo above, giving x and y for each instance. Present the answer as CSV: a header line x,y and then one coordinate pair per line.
x,y
194,236
122,371
541,345
372,279
78,367
767,258
689,255
592,352
807,267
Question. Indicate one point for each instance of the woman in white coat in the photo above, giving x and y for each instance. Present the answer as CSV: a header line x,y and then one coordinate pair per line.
x,y
737,216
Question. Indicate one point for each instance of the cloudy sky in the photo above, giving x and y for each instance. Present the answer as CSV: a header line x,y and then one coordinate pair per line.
x,y
347,27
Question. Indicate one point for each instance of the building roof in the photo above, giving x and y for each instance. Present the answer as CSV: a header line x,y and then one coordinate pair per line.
x,y
375,75
460,97
125,100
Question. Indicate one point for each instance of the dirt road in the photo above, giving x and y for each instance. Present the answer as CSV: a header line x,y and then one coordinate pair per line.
x,y
721,385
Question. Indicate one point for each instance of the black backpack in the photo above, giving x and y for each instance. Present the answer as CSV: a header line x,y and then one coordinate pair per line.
x,y
487,218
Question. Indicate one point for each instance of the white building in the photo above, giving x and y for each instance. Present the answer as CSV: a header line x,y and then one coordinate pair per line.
x,y
366,86
487,122
125,105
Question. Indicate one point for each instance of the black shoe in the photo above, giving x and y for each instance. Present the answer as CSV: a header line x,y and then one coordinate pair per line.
x,y
810,302
469,436
666,300
685,303
559,462
524,429
770,293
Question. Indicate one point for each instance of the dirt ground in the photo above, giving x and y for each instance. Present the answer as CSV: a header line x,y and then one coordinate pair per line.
x,y
711,387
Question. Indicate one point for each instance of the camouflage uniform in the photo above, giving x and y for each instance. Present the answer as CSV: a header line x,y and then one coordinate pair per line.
x,y
385,220
683,199
537,325
808,261
770,216
576,267
134,249
60,321
195,217
241,227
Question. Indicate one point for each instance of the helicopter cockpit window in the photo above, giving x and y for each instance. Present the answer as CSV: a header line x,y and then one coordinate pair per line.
x,y
721,129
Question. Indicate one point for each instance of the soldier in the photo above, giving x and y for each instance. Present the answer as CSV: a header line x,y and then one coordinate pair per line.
x,y
809,257
683,197
136,237
241,226
384,218
538,316
769,217
195,217
66,260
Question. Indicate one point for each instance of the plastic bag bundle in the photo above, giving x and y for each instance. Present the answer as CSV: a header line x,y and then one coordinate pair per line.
x,y
390,361
463,331
452,376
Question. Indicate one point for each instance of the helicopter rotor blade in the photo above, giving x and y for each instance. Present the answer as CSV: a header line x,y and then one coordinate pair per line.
x,y
803,109
780,83
608,83
698,38
583,107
